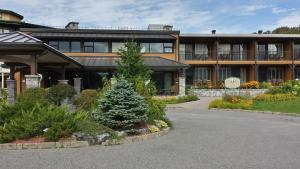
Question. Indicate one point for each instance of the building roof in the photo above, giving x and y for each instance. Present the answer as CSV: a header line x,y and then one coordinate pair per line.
x,y
18,37
110,62
99,33
11,12
240,35
18,43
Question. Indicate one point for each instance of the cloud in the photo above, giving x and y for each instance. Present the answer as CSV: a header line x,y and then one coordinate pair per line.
x,y
278,10
131,13
252,9
291,20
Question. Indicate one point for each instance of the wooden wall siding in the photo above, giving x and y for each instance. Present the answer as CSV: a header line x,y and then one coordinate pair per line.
x,y
171,56
251,73
251,51
9,17
236,62
214,76
279,62
214,50
288,48
176,47
288,73
200,62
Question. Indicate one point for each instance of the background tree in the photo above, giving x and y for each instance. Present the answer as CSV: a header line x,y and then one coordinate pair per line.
x,y
131,65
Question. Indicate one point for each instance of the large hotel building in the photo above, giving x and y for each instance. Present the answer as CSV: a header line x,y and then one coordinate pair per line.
x,y
177,60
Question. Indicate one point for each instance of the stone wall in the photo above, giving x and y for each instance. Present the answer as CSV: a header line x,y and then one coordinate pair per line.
x,y
221,92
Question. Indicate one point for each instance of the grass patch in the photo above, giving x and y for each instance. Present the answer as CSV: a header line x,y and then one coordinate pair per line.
x,y
290,106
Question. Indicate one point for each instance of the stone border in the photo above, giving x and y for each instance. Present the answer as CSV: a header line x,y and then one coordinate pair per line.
x,y
258,111
44,145
132,139
78,144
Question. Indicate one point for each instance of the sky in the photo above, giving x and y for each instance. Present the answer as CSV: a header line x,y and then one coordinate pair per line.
x,y
189,16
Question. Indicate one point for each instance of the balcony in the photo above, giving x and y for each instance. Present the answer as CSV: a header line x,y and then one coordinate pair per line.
x,y
198,56
232,56
271,55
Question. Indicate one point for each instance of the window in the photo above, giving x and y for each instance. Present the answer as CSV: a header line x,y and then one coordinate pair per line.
x,y
297,51
201,52
116,46
182,52
224,73
168,47
188,51
156,48
275,73
202,74
64,46
145,47
297,73
224,51
88,47
275,51
75,46
100,47
54,44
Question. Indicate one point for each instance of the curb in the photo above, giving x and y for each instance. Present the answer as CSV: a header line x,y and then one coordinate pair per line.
x,y
132,139
78,144
45,145
258,111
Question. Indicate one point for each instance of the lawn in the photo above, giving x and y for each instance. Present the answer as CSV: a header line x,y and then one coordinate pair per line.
x,y
291,106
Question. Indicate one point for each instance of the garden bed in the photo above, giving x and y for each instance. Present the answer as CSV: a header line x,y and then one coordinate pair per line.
x,y
283,99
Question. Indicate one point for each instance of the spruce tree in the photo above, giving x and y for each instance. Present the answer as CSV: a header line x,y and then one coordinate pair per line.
x,y
131,65
122,108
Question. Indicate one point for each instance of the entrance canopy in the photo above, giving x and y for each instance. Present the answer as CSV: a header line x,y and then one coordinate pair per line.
x,y
19,49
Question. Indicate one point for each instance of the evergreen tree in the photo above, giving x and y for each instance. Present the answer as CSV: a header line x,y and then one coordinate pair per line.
x,y
131,65
122,108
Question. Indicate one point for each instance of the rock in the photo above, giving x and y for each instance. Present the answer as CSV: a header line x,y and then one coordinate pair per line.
x,y
121,133
97,139
142,131
102,138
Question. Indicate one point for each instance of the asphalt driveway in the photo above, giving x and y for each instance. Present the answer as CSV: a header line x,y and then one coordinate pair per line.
x,y
200,139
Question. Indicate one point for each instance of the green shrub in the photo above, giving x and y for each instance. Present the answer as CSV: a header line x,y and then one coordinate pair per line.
x,y
3,96
94,128
264,85
156,110
87,99
179,99
221,104
32,96
31,123
58,93
274,97
122,108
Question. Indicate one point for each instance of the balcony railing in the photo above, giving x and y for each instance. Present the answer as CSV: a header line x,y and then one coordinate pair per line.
x,y
231,55
198,56
271,55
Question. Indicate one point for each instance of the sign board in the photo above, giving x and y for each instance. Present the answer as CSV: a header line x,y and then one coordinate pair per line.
x,y
232,83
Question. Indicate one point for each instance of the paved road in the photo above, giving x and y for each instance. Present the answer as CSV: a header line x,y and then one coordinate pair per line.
x,y
201,139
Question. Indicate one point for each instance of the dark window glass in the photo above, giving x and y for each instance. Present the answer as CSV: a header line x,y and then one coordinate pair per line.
x,y
64,46
75,46
54,44
188,51
168,47
156,48
145,47
88,47
100,47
